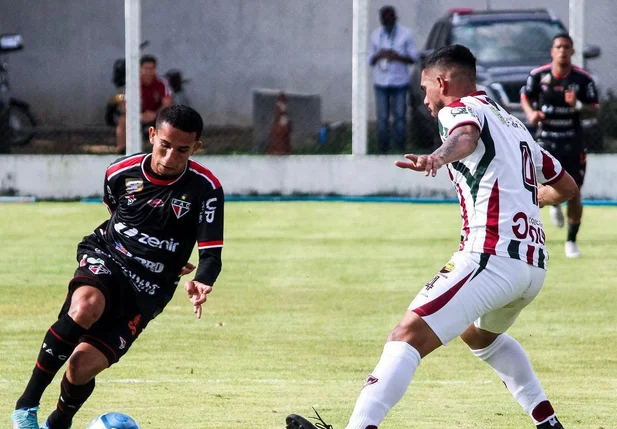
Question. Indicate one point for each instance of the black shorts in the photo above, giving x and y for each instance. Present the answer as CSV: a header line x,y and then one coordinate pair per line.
x,y
121,322
570,155
575,165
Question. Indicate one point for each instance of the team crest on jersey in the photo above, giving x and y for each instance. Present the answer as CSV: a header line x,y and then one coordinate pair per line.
x,y
99,269
134,185
130,199
546,79
180,207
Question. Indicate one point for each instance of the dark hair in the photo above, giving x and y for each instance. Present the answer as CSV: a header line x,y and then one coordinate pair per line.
x,y
562,35
452,56
147,59
181,117
387,9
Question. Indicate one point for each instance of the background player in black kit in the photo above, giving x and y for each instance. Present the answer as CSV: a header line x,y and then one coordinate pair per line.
x,y
555,97
161,204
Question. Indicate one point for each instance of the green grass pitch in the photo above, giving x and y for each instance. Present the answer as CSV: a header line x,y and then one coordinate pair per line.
x,y
307,296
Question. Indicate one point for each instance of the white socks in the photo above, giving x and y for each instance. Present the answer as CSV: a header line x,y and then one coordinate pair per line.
x,y
386,385
509,360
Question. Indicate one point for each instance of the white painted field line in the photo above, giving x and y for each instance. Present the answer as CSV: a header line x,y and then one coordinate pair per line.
x,y
249,381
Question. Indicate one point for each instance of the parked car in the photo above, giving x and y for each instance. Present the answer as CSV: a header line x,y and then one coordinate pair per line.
x,y
507,44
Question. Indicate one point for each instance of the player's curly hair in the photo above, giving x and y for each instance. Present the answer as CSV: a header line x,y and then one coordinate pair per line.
x,y
452,56
181,117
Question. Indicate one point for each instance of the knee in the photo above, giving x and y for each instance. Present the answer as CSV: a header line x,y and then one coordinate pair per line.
x,y
87,309
415,333
82,367
477,339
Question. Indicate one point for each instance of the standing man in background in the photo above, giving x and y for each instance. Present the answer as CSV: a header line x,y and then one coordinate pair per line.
x,y
555,98
392,50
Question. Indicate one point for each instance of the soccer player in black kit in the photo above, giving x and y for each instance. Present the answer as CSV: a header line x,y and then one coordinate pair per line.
x,y
555,98
161,204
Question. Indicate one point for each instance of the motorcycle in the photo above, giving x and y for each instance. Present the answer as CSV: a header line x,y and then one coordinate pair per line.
x,y
17,125
174,78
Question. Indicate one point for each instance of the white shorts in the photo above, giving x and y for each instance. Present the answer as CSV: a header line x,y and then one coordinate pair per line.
x,y
489,291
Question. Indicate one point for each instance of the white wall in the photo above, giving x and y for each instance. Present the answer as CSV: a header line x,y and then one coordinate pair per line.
x,y
226,48
78,176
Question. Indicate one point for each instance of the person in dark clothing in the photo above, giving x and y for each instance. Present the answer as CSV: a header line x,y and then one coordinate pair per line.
x,y
556,97
161,204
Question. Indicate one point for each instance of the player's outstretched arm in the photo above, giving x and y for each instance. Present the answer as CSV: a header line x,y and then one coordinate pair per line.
x,y
460,143
564,189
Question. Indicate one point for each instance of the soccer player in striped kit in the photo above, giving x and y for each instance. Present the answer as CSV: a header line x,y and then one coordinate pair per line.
x,y
503,178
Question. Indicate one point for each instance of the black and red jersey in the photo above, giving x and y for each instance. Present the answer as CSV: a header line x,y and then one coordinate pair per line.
x,y
156,221
562,123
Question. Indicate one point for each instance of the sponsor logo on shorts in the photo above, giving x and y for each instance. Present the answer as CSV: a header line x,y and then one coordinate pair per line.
x,y
134,185
99,269
180,207
431,284
133,324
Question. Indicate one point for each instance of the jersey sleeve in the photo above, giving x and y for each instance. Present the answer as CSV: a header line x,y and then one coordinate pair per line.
x,y
210,236
548,169
531,90
456,115
110,195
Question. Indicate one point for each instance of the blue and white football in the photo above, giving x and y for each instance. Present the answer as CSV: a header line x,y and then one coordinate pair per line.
x,y
113,421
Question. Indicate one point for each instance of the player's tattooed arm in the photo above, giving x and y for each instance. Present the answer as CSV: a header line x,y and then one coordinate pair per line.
x,y
460,143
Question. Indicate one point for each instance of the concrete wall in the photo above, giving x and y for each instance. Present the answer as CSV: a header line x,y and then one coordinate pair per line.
x,y
68,177
227,48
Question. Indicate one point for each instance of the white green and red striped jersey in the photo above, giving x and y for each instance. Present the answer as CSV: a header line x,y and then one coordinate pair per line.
x,y
497,184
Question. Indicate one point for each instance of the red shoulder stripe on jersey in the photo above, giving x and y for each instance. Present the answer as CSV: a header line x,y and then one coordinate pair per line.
x,y
582,71
209,244
548,167
203,171
123,165
541,68
492,221
530,251
556,178
439,302
460,124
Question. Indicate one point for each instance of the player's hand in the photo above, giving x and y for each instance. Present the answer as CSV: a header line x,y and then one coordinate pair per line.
x,y
536,117
187,269
427,163
197,293
570,97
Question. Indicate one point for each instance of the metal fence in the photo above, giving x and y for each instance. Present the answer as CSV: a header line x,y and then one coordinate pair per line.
x,y
268,76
